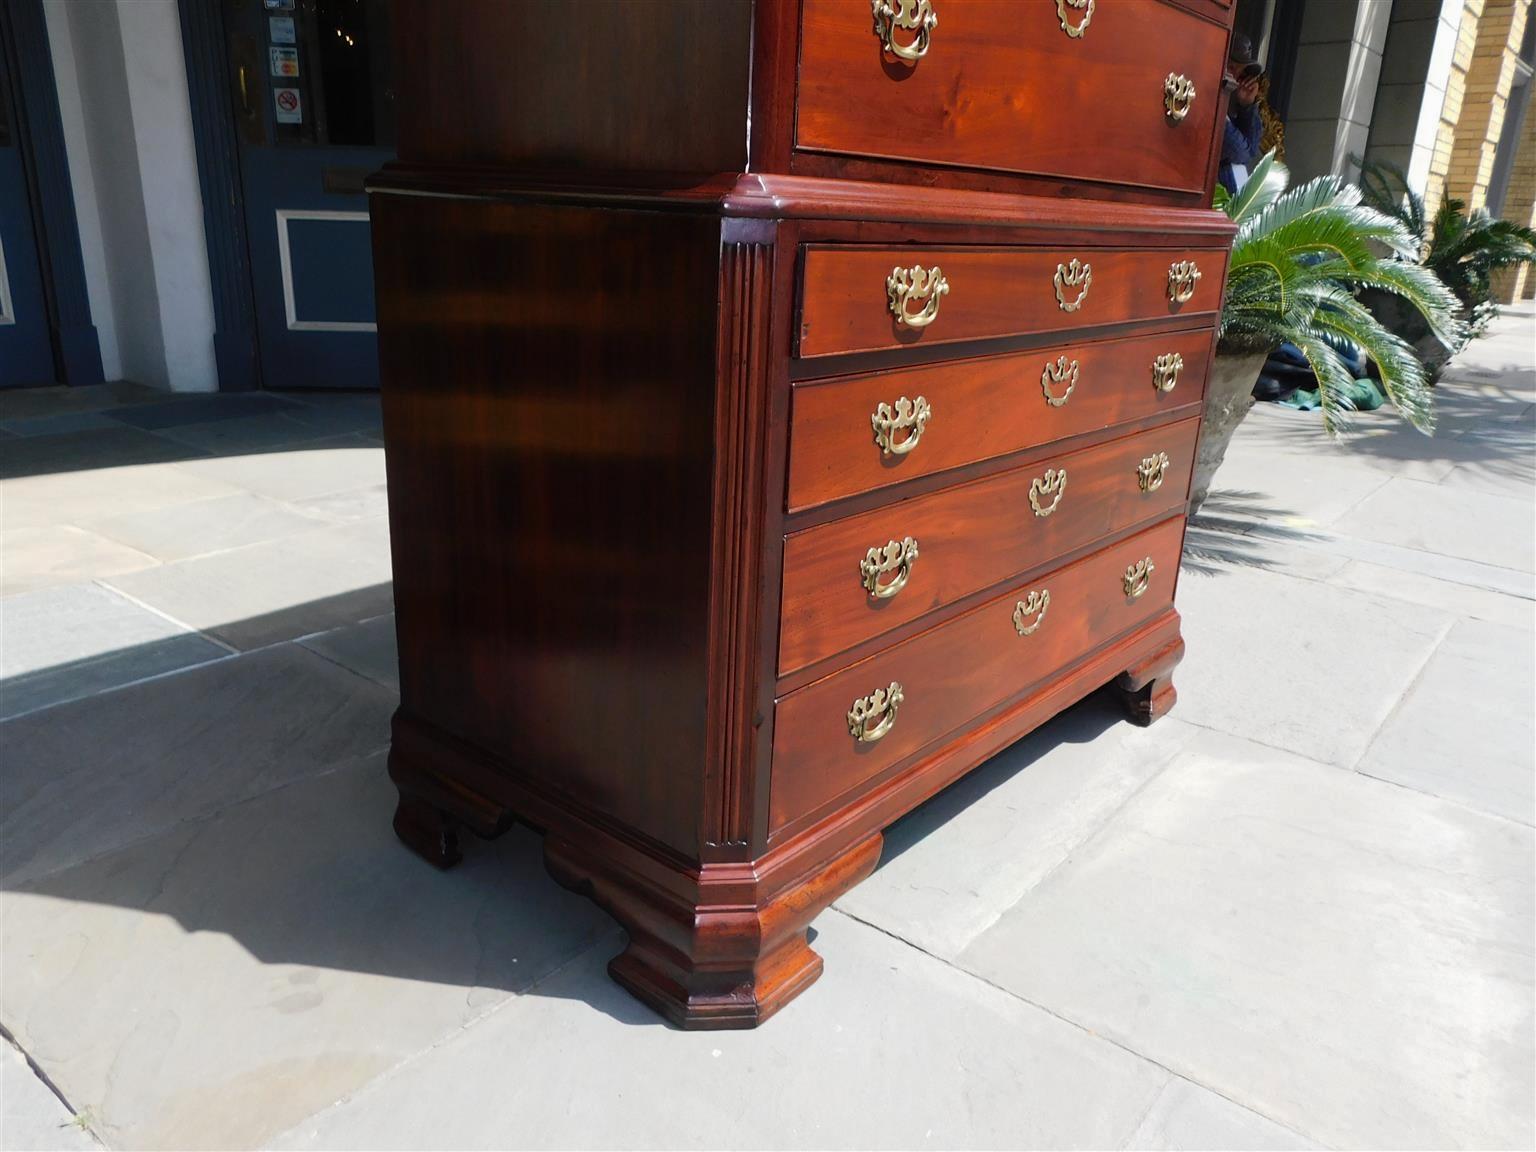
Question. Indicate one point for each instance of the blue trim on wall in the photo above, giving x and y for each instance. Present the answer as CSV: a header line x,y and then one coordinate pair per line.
x,y
24,33
218,174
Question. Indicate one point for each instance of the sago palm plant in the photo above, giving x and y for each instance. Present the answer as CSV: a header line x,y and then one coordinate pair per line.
x,y
1462,248
1298,258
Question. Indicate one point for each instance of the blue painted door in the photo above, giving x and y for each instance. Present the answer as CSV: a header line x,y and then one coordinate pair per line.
x,y
314,111
26,348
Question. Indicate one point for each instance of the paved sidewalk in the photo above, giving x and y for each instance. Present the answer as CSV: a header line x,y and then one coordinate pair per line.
x,y
1298,912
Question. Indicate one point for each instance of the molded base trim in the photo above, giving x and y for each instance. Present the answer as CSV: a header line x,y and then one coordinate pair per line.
x,y
724,945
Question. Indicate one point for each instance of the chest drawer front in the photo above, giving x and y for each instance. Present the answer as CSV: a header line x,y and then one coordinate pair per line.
x,y
1006,85
869,299
953,673
854,579
859,433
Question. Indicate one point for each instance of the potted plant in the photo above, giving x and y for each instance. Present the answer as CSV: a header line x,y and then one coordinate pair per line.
x,y
1297,260
1462,249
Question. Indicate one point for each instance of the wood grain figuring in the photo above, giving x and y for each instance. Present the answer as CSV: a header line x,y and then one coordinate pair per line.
x,y
982,409
959,669
746,283
610,84
633,322
1003,87
969,537
999,292
548,397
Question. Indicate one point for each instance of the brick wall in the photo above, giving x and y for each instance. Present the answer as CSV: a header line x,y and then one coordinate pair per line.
x,y
1520,206
1480,117
1450,111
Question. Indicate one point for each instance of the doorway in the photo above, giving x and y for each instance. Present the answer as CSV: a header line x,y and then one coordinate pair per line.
x,y
26,344
312,102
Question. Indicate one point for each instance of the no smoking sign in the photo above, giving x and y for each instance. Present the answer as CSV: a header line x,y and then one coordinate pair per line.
x,y
290,106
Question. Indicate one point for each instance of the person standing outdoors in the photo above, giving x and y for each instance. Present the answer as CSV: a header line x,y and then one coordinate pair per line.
x,y
1240,145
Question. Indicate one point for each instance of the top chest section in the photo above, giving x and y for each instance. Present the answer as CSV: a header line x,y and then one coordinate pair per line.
x,y
1107,99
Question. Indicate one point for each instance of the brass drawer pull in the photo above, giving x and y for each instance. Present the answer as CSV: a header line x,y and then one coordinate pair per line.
x,y
882,703
1053,483
914,16
1149,473
1138,577
897,556
1183,275
1165,371
1075,31
1055,374
913,285
1178,95
1034,605
1075,275
907,416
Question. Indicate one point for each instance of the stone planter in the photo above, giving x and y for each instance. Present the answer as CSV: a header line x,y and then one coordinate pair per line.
x,y
1401,318
1228,396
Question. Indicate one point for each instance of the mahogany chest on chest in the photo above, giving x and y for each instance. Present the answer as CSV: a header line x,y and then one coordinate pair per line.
x,y
787,406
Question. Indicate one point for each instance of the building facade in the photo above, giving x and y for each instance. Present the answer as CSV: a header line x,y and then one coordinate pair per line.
x,y
181,196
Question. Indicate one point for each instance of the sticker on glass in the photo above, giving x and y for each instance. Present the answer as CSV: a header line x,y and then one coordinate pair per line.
x,y
281,30
285,61
290,106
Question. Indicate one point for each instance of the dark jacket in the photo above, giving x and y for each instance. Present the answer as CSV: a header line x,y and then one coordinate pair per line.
x,y
1240,143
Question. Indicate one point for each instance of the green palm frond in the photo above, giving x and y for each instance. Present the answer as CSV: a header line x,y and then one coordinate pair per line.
x,y
1402,375
1265,183
1299,256
1420,287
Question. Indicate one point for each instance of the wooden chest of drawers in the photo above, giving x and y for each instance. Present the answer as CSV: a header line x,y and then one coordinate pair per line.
x,y
788,405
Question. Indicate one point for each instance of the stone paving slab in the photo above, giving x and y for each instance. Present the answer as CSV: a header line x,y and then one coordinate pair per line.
x,y
249,434
78,497
1296,663
277,590
889,1049
64,643
32,1117
1432,592
195,529
952,867
1450,521
34,558
1187,1117
1280,484
1465,730
346,507
1349,958
95,775
219,983
318,468
367,649
89,450
199,408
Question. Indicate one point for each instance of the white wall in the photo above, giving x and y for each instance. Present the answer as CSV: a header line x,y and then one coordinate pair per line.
x,y
1338,64
1414,73
128,133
